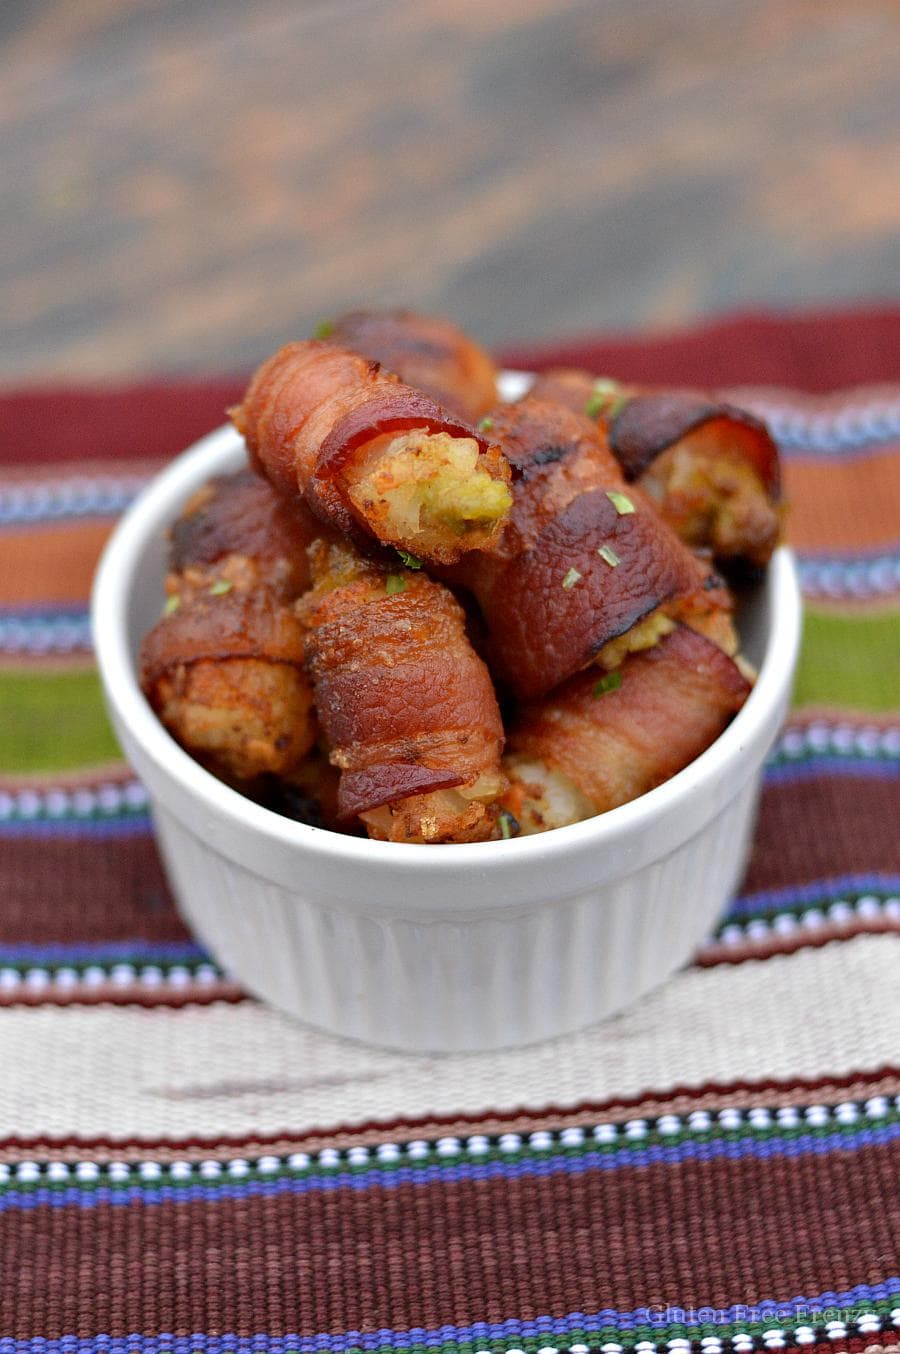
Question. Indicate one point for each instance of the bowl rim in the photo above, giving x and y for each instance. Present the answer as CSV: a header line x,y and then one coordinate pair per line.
x,y
155,508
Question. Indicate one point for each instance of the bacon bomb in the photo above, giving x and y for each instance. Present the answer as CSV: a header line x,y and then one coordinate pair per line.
x,y
425,351
372,456
600,741
406,706
223,667
712,469
585,570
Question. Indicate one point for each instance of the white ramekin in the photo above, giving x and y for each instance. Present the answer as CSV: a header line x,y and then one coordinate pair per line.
x,y
438,948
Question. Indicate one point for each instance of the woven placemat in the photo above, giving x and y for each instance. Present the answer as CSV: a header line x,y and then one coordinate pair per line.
x,y
182,1169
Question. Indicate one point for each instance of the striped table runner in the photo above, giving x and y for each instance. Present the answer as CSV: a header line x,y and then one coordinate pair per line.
x,y
183,1170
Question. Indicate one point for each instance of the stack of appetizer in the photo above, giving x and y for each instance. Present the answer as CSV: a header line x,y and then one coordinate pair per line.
x,y
434,617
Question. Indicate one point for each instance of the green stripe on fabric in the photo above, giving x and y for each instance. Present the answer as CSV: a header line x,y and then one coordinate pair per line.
x,y
851,661
834,1133
53,721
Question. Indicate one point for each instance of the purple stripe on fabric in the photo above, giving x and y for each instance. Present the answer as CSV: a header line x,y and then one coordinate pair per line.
x,y
118,951
819,891
832,766
861,1297
135,825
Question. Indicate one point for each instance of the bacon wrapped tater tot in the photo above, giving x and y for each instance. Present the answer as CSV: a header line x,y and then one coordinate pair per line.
x,y
600,741
711,468
238,528
224,672
406,706
585,570
426,352
371,455
223,668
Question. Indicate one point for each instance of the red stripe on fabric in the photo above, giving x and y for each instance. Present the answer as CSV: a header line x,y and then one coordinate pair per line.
x,y
152,420
816,352
422,1253
206,994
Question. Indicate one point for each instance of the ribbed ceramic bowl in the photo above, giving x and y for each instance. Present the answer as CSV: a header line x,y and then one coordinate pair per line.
x,y
438,948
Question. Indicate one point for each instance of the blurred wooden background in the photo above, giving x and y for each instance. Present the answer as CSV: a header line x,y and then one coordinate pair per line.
x,y
187,183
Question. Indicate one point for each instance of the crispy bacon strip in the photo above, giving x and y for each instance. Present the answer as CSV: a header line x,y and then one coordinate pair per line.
x,y
371,455
426,352
242,515
224,672
224,666
711,468
592,745
407,707
586,569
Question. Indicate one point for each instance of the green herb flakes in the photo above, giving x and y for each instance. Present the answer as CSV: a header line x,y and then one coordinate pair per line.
x,y
394,583
607,553
411,561
485,425
610,682
508,825
571,579
605,392
220,587
621,502
172,605
324,330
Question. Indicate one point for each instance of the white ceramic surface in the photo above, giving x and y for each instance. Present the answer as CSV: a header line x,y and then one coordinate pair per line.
x,y
438,948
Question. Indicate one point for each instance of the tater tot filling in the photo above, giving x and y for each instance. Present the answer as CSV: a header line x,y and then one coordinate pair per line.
x,y
644,635
462,814
243,716
713,499
427,490
541,797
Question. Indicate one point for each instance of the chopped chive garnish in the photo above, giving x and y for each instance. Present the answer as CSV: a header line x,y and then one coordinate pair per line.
x,y
607,553
604,391
611,682
621,502
509,826
394,583
172,605
616,408
220,587
411,561
485,425
324,330
571,579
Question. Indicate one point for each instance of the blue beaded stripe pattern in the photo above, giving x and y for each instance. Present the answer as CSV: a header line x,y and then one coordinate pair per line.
x,y
150,971
797,432
68,498
865,1310
830,742
45,630
109,804
817,749
850,577
730,1133
801,434
848,889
